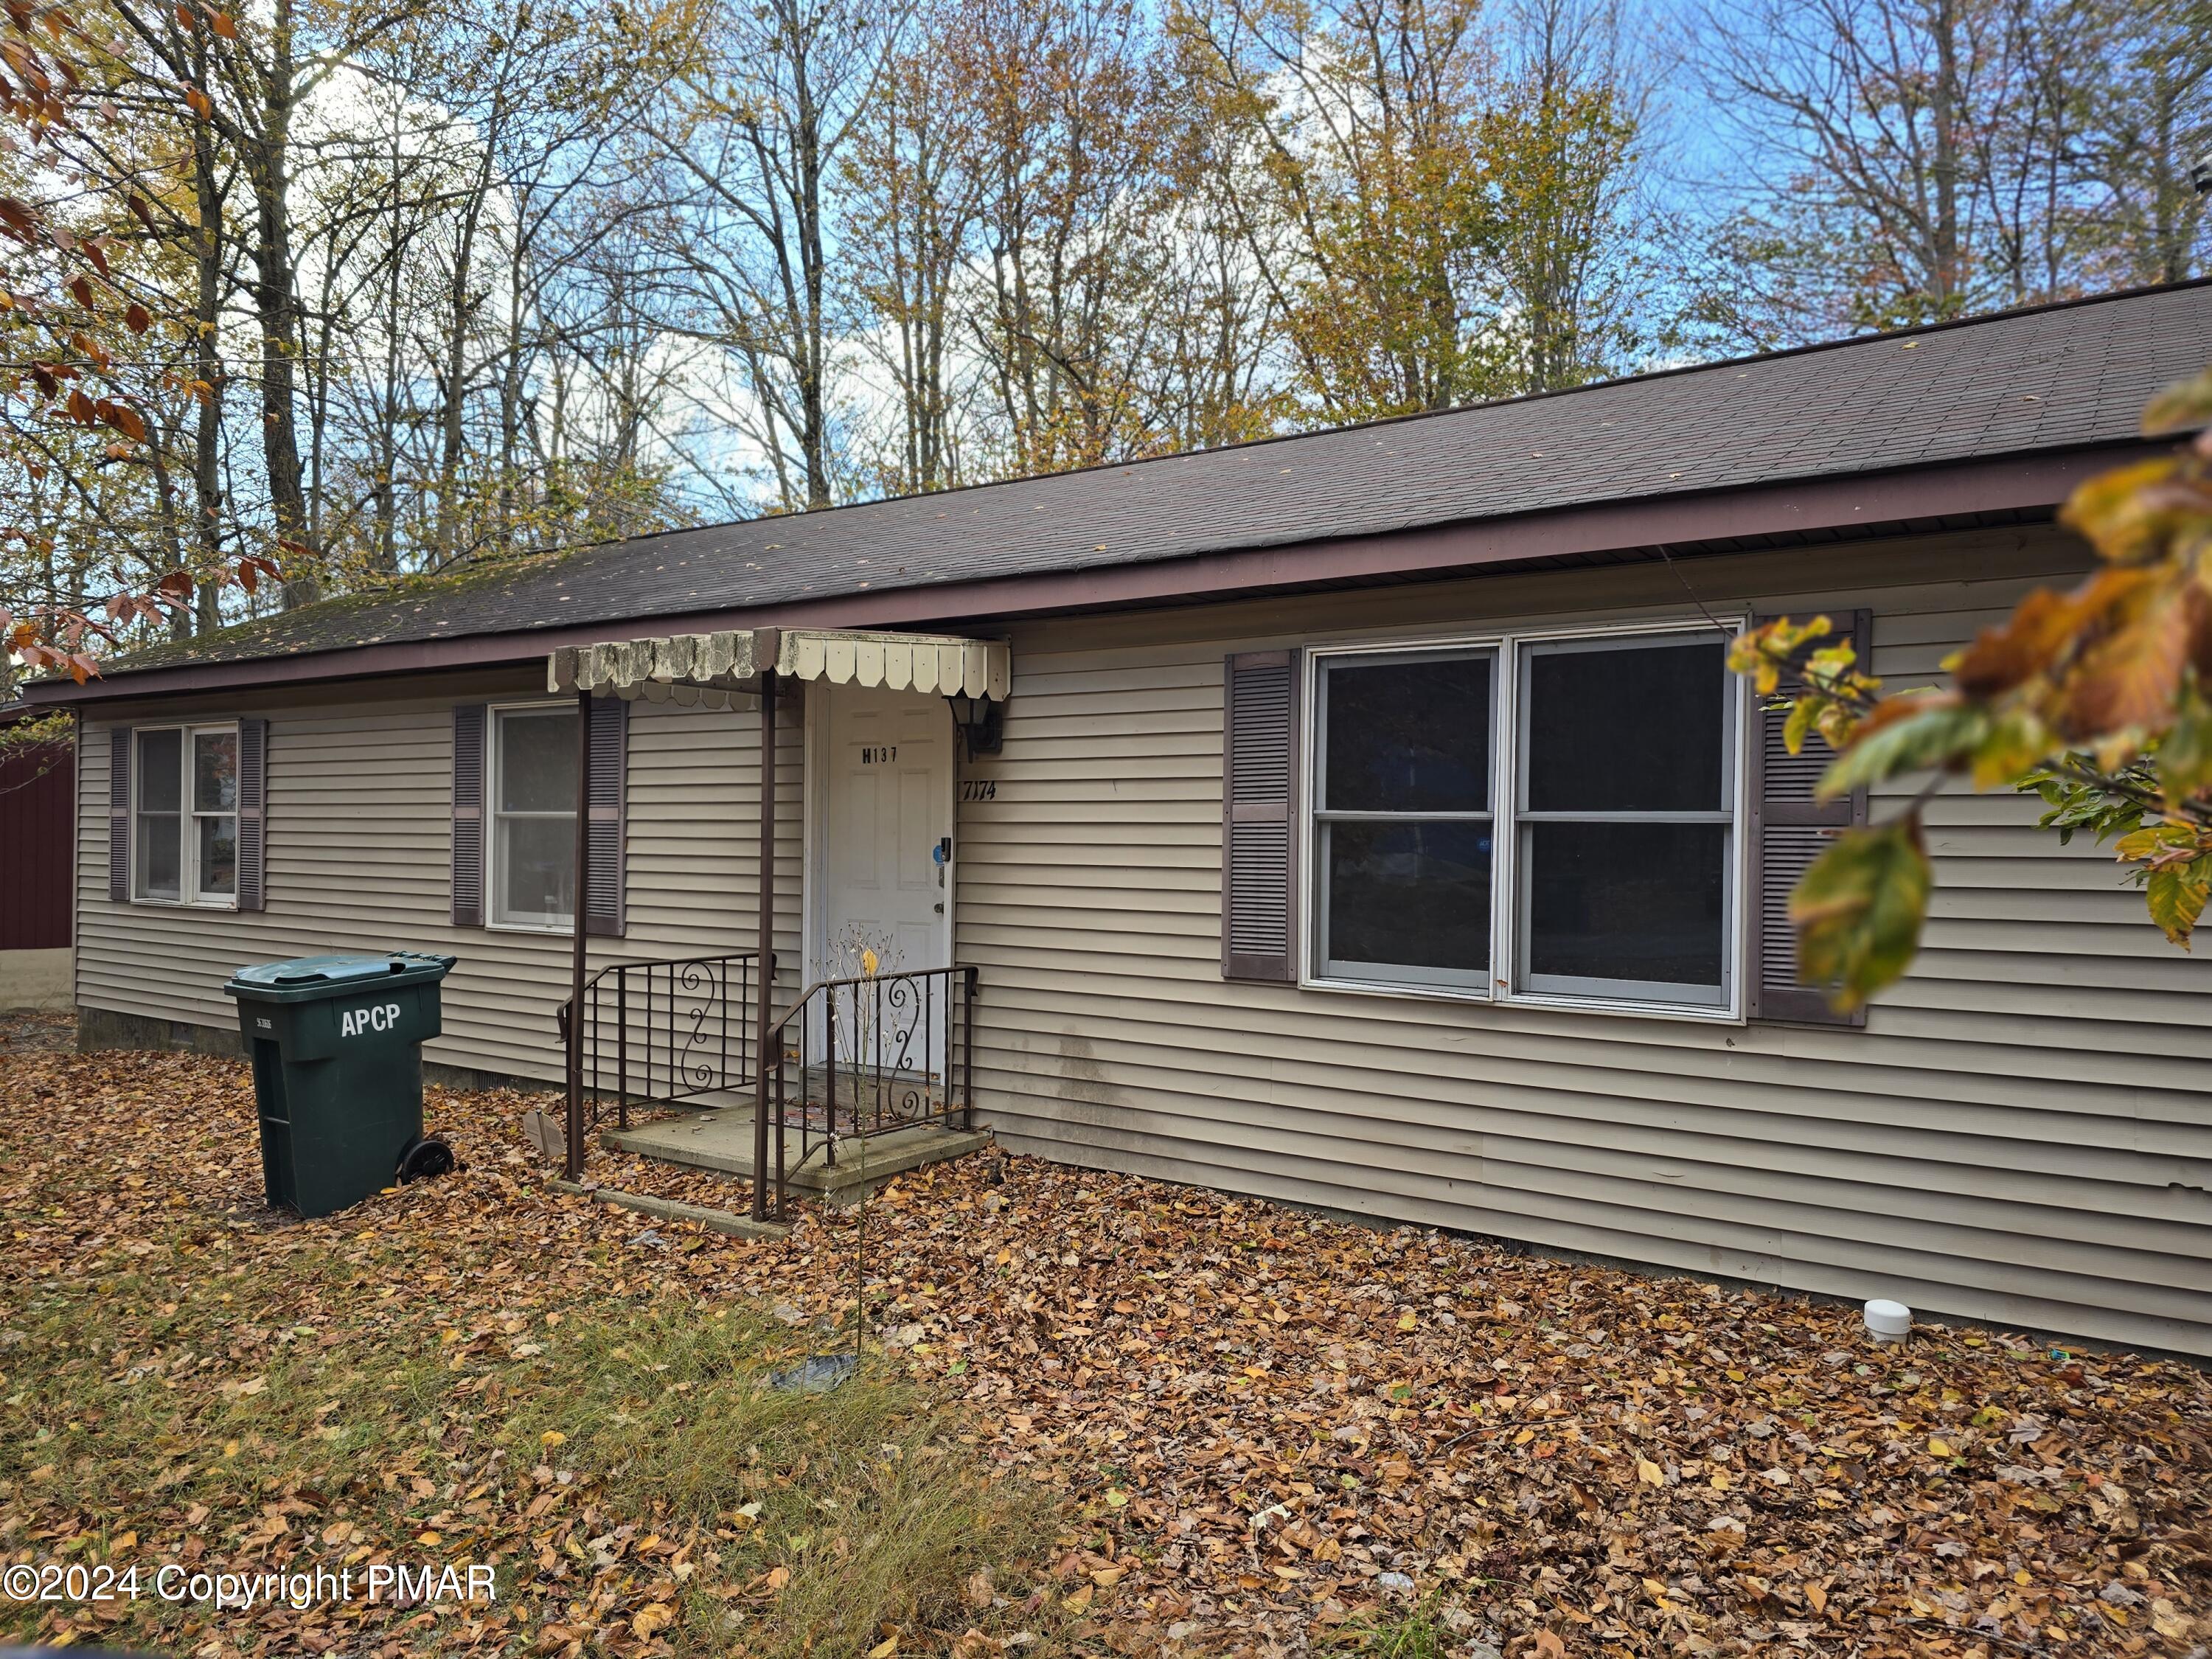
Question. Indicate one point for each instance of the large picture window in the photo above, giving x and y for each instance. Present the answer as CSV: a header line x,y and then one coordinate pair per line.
x,y
1573,840
533,794
184,827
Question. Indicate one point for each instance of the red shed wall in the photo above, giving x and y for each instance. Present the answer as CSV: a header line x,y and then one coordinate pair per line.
x,y
36,790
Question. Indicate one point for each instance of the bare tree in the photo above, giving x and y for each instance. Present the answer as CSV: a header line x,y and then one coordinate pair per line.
x,y
265,70
914,200
763,101
2149,89
1851,115
1899,160
1064,103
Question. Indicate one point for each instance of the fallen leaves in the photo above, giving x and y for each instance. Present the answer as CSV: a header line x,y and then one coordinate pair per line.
x,y
1248,1442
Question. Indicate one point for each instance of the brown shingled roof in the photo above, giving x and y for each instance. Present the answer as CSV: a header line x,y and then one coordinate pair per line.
x,y
2053,378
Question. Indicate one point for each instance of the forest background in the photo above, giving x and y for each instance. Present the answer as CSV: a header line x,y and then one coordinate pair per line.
x,y
357,291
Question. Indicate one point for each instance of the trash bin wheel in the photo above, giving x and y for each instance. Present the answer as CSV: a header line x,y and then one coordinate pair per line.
x,y
424,1158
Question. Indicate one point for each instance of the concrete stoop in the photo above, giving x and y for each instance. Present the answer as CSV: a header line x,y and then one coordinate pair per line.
x,y
722,1139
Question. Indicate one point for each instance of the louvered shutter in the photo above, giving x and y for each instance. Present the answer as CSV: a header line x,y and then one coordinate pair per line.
x,y
1259,854
469,720
252,796
602,886
1789,829
119,743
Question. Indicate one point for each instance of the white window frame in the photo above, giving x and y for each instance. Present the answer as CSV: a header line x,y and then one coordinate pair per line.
x,y
1507,902
1461,981
494,872
188,816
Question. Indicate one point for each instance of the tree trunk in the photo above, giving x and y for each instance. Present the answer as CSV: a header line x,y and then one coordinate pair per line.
x,y
277,304
453,421
207,363
1943,250
511,385
814,422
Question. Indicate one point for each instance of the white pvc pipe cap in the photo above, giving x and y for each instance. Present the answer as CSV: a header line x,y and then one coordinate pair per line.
x,y
1888,1321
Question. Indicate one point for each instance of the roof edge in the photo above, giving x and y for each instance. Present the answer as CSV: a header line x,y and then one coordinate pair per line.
x,y
1865,502
1676,371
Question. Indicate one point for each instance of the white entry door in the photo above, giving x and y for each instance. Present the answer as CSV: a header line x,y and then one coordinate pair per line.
x,y
886,827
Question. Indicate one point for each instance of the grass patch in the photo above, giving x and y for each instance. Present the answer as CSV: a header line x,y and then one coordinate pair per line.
x,y
868,1497
624,1465
1415,1632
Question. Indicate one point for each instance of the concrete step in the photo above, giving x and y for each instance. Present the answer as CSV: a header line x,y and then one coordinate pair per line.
x,y
723,1139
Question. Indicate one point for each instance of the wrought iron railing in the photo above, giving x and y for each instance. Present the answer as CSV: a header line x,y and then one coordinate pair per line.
x,y
850,1059
659,1032
863,1056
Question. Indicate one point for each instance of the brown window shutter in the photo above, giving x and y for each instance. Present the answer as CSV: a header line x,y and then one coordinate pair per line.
x,y
1259,799
603,864
119,742
469,723
253,797
1789,831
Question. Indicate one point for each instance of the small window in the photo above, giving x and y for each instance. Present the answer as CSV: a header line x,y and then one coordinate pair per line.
x,y
534,818
1402,823
185,818
1628,819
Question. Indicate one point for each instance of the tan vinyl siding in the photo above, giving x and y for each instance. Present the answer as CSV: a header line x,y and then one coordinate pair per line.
x,y
358,856
2023,1132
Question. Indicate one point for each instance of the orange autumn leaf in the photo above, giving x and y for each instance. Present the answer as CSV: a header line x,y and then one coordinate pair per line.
x,y
126,420
2001,658
2127,680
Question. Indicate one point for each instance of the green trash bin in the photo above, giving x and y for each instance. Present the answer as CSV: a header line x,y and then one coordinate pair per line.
x,y
337,1070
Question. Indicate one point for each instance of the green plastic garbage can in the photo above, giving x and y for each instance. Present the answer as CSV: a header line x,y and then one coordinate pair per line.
x,y
337,1070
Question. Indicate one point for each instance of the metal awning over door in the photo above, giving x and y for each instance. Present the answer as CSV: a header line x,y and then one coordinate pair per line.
x,y
708,671
709,668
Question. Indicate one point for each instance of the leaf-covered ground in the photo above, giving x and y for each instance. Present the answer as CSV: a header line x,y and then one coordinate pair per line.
x,y
1245,1429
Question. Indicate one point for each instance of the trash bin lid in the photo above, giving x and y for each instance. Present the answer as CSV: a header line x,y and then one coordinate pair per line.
x,y
335,970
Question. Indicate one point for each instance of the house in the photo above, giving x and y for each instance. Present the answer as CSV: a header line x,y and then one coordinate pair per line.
x,y
1362,819
38,812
